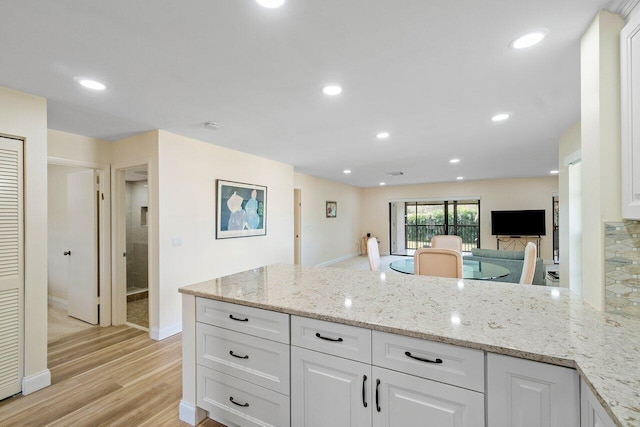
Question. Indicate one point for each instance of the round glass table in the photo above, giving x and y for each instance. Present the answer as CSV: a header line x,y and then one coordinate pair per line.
x,y
478,270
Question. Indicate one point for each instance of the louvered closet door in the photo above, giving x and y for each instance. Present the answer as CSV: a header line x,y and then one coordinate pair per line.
x,y
11,267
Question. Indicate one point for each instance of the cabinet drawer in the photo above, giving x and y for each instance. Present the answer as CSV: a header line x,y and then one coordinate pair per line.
x,y
459,366
249,320
331,338
231,399
260,361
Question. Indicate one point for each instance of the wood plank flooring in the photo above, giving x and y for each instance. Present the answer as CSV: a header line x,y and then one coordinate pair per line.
x,y
114,376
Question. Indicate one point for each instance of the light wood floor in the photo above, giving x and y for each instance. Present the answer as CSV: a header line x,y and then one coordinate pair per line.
x,y
115,376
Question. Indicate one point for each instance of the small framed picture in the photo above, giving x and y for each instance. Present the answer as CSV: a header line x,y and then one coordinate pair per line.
x,y
241,209
332,209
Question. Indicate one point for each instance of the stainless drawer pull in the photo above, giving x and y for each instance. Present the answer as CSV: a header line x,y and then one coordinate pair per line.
x,y
328,339
237,319
246,356
408,354
246,405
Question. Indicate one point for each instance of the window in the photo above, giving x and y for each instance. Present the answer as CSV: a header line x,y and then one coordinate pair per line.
x,y
423,220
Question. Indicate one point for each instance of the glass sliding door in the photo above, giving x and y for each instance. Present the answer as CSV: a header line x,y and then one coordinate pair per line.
x,y
420,221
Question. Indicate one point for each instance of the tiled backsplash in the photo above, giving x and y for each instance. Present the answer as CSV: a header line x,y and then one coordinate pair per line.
x,y
622,267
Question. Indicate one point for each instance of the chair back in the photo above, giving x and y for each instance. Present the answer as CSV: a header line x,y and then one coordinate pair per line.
x,y
437,262
447,242
529,264
373,253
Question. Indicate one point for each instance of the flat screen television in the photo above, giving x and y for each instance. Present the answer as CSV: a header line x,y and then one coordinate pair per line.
x,y
518,223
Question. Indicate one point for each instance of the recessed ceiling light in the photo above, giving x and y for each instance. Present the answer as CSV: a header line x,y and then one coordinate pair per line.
x,y
500,117
382,183
271,4
529,39
454,161
332,90
92,84
460,178
346,171
553,172
382,135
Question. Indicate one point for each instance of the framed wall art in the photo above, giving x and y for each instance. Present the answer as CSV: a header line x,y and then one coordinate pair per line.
x,y
332,209
241,209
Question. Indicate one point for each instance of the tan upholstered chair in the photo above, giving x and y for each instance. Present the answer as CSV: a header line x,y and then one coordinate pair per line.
x,y
373,253
438,262
447,242
529,265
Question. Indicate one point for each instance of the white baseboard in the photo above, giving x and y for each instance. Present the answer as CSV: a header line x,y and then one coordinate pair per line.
x,y
36,382
159,334
57,302
337,260
190,414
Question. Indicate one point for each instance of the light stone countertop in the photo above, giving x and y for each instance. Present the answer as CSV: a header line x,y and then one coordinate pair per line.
x,y
533,322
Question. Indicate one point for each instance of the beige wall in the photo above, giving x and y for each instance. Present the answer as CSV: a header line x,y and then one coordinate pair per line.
x,y
25,116
70,146
326,240
600,135
569,144
504,194
189,250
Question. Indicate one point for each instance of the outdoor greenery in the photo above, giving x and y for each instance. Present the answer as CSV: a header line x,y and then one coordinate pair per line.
x,y
425,221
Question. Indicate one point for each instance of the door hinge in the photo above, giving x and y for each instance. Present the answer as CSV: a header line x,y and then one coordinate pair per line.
x,y
102,195
124,254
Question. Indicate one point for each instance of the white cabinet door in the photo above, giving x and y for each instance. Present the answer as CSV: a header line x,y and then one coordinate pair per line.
x,y
404,400
592,414
329,391
630,112
523,393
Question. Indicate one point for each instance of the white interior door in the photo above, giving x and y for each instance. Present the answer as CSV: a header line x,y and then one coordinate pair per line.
x,y
82,293
11,267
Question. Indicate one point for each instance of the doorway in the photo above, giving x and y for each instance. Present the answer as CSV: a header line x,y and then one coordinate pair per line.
x,y
78,288
137,246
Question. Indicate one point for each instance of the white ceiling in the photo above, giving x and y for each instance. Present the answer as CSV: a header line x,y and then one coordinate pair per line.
x,y
432,73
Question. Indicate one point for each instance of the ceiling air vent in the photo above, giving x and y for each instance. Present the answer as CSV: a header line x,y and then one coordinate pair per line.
x,y
396,173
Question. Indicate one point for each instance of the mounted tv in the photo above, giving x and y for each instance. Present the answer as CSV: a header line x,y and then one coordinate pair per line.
x,y
518,223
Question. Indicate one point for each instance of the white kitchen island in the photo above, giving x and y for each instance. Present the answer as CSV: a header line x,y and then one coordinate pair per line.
x,y
300,338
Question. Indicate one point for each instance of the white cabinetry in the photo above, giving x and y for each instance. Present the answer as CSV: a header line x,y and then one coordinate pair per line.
x,y
333,382
242,378
592,414
522,393
329,391
630,112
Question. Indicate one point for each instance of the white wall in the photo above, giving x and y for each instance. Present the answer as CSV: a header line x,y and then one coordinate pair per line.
x,y
569,143
25,116
503,194
187,182
600,135
326,240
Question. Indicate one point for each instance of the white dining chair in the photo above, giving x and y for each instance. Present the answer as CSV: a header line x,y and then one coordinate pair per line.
x,y
437,262
529,264
373,253
446,241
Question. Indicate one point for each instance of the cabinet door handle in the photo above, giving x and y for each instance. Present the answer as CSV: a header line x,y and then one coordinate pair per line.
x,y
237,319
364,400
377,393
328,339
245,405
246,356
408,354
67,253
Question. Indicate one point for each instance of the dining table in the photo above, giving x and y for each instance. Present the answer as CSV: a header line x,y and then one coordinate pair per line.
x,y
478,270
